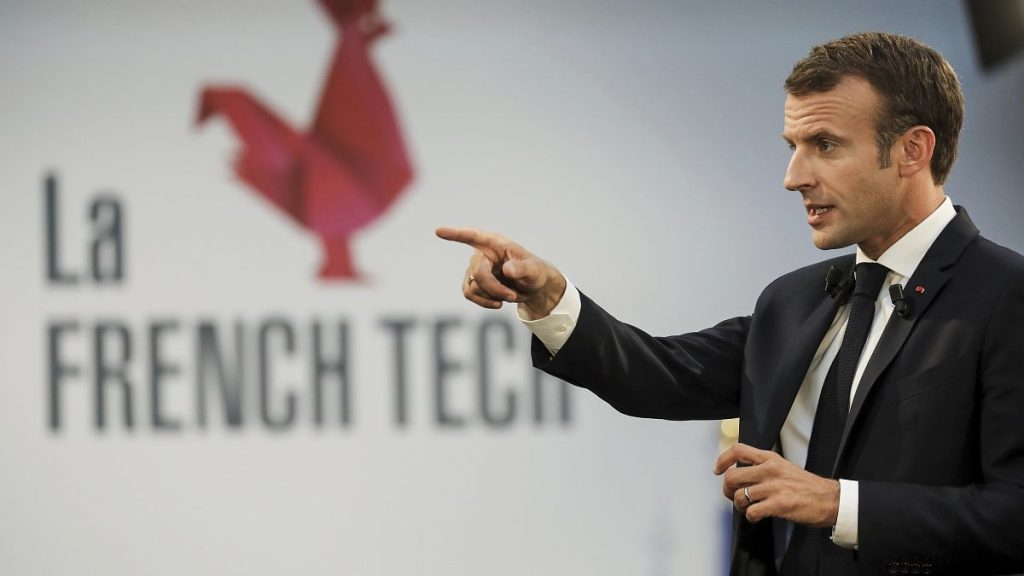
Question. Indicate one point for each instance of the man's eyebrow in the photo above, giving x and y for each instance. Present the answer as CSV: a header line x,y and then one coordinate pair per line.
x,y
826,135
818,136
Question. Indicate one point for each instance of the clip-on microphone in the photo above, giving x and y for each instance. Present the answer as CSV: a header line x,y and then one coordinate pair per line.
x,y
896,295
835,286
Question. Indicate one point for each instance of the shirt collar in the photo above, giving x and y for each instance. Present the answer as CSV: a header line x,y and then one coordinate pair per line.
x,y
904,256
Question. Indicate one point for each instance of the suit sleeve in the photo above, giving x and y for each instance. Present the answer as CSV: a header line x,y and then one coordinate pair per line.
x,y
975,529
685,377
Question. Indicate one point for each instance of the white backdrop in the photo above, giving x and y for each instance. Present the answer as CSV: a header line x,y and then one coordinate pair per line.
x,y
636,145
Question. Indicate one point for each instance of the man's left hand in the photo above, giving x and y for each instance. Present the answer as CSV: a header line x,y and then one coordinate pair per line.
x,y
777,487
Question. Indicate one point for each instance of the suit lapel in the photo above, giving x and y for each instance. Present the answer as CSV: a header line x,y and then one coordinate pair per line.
x,y
931,274
796,357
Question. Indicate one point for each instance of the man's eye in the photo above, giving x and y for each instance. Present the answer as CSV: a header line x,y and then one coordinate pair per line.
x,y
826,145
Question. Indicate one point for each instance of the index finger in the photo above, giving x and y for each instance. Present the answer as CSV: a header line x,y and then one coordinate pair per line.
x,y
470,236
740,453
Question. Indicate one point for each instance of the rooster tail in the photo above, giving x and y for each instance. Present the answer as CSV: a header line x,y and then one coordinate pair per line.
x,y
269,156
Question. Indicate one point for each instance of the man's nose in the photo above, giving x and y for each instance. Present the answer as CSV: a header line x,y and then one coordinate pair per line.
x,y
798,174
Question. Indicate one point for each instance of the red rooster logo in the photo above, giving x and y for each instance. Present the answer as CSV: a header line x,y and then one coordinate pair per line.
x,y
348,167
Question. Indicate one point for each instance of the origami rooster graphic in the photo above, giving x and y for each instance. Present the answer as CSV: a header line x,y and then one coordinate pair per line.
x,y
345,170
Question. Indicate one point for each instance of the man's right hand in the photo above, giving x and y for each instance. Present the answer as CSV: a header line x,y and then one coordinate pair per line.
x,y
502,271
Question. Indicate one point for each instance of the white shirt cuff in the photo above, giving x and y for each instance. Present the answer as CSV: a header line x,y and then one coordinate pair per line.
x,y
554,329
844,533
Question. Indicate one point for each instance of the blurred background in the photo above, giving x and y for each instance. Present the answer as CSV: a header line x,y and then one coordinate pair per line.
x,y
182,393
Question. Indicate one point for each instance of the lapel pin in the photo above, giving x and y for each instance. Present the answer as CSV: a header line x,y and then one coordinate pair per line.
x,y
919,289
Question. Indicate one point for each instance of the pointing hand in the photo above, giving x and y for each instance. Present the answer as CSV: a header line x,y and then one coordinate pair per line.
x,y
502,271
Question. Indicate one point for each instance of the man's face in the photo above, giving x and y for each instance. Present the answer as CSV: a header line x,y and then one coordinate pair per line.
x,y
847,197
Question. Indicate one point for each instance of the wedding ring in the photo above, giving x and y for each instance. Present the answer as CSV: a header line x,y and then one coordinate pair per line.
x,y
470,280
746,493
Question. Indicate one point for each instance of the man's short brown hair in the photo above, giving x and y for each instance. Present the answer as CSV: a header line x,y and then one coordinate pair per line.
x,y
917,85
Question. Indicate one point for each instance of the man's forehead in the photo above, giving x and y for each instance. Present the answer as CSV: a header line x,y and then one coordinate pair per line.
x,y
852,100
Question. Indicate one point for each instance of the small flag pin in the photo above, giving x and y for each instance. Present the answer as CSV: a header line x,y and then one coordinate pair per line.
x,y
919,289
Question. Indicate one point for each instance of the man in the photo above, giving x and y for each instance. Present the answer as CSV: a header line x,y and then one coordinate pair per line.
x,y
881,394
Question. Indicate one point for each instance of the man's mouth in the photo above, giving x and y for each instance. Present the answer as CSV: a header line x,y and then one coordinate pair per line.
x,y
817,215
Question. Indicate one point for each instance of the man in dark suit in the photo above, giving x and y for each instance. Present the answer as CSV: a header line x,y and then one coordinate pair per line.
x,y
881,394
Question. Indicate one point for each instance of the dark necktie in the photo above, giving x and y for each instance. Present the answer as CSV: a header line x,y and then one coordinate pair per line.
x,y
833,406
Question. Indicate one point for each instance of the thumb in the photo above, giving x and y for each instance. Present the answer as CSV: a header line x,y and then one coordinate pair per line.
x,y
527,272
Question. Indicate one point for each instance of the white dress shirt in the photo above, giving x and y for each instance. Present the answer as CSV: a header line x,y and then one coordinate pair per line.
x,y
902,259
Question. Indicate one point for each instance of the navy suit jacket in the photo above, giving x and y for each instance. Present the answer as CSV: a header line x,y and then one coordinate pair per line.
x,y
935,434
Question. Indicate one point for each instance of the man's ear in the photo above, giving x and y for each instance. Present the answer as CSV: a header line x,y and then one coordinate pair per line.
x,y
914,150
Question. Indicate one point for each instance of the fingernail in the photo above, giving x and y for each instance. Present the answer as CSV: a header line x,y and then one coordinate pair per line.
x,y
512,268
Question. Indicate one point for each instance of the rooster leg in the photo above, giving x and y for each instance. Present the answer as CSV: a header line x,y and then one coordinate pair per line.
x,y
337,263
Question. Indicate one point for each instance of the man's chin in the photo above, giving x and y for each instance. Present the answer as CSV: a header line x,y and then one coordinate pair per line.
x,y
827,242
